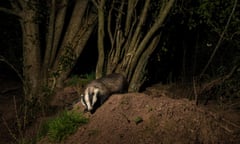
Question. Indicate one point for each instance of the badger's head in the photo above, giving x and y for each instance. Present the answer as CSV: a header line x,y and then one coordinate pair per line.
x,y
89,98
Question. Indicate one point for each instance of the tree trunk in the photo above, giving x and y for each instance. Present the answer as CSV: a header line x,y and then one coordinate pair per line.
x,y
31,54
53,59
140,71
78,32
101,54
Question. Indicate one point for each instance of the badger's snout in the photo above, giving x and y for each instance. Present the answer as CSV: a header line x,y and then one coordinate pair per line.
x,y
87,110
91,110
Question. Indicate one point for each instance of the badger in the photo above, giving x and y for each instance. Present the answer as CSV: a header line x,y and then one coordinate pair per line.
x,y
99,90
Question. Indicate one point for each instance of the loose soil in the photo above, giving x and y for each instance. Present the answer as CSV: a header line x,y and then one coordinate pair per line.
x,y
154,117
157,115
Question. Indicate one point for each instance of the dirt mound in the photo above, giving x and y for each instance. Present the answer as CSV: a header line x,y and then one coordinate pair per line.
x,y
140,118
149,117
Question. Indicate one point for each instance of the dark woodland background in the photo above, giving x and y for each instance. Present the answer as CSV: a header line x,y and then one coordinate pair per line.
x,y
194,44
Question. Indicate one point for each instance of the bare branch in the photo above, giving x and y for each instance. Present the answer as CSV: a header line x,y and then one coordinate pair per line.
x,y
140,24
18,5
11,12
21,3
58,27
50,36
15,5
131,8
136,39
109,25
131,32
96,4
220,39
118,20
118,38
12,67
152,31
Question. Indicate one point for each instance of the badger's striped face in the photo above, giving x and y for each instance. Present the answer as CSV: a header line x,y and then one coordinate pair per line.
x,y
89,98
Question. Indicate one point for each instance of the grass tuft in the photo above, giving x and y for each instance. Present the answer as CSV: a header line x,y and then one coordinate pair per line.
x,y
63,125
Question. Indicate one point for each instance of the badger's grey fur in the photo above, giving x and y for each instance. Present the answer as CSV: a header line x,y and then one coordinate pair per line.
x,y
97,91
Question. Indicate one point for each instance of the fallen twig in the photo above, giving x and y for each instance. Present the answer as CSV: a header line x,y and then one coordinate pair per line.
x,y
218,118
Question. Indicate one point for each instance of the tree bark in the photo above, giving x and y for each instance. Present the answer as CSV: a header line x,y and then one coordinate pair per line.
x,y
49,45
79,28
31,53
60,16
140,71
101,35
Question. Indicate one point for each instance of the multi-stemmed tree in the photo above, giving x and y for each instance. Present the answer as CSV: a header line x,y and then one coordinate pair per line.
x,y
55,32
128,33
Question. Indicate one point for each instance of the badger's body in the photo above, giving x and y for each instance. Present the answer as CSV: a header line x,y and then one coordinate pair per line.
x,y
97,91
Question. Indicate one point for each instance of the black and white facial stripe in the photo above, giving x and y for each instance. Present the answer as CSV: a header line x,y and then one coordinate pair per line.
x,y
98,91
90,98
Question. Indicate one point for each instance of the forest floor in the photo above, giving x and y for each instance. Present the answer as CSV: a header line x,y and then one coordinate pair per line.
x,y
159,114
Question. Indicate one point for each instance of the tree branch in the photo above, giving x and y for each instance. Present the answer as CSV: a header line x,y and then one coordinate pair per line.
x,y
131,7
109,25
139,27
141,47
136,38
220,40
12,67
73,26
216,82
118,41
10,12
130,33
21,3
18,5
96,4
139,76
58,28
50,36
